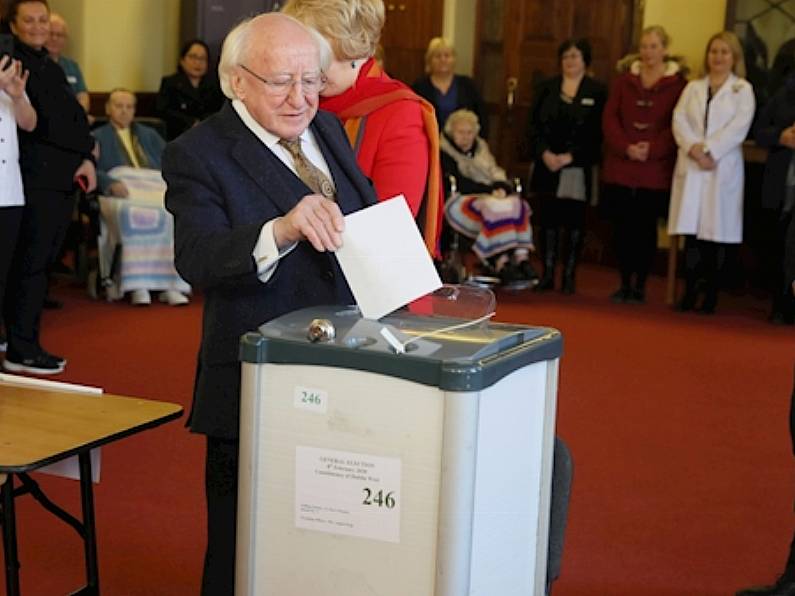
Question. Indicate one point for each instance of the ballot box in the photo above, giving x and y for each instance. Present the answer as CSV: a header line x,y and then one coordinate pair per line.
x,y
414,461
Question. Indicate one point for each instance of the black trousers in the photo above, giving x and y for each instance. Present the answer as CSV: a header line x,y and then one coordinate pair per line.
x,y
10,220
635,212
220,483
45,219
783,300
561,213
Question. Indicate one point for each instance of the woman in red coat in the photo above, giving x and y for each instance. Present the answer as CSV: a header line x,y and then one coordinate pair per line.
x,y
392,130
640,154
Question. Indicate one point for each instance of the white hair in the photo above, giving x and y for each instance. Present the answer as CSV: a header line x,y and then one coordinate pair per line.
x,y
237,44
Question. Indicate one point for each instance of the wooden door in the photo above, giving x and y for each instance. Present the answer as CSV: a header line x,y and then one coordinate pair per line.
x,y
410,25
518,41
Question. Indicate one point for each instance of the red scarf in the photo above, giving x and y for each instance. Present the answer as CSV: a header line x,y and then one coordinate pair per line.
x,y
373,90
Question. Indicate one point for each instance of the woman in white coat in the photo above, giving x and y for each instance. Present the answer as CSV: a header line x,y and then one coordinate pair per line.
x,y
710,122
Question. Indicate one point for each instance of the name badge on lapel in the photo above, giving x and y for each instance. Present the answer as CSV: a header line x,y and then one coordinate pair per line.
x,y
587,101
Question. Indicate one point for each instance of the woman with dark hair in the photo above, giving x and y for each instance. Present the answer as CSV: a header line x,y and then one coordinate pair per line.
x,y
192,93
640,154
55,157
565,136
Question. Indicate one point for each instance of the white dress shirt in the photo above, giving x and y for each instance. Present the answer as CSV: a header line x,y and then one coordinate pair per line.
x,y
266,254
11,193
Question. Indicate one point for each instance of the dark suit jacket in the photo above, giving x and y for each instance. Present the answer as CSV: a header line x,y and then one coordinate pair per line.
x,y
50,153
778,114
559,127
181,105
223,185
789,253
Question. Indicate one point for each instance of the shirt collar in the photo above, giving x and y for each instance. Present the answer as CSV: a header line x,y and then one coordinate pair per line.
x,y
269,139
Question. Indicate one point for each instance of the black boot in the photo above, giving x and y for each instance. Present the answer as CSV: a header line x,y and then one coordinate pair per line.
x,y
547,281
575,244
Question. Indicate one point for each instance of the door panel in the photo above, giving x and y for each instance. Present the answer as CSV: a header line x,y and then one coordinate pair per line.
x,y
518,41
410,25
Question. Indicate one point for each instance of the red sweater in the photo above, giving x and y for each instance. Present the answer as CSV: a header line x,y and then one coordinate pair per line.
x,y
634,114
394,149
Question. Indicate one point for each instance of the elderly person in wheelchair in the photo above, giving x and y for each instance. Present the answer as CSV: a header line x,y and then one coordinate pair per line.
x,y
137,242
484,206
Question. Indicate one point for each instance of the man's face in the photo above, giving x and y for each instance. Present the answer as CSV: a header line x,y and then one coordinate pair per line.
x,y
58,37
285,112
121,109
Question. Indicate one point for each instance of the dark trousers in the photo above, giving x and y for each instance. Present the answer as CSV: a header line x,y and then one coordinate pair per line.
x,y
45,219
783,300
561,213
220,483
789,569
704,261
635,212
10,220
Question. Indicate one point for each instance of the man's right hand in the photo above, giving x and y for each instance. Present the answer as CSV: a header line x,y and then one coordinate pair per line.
x,y
316,219
787,137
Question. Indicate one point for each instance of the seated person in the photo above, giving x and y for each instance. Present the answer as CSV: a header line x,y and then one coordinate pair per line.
x,y
485,206
146,231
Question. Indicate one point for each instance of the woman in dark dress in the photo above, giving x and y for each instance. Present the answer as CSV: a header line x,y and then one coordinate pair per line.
x,y
191,94
565,135
446,90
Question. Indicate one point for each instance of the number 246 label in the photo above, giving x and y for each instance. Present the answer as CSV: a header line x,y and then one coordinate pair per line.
x,y
314,400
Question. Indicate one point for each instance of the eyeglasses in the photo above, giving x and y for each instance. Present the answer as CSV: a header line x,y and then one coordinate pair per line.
x,y
281,85
197,57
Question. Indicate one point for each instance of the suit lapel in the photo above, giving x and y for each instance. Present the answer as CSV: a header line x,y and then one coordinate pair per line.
x,y
339,154
259,162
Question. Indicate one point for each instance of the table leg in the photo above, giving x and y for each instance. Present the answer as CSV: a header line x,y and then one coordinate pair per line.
x,y
10,537
90,543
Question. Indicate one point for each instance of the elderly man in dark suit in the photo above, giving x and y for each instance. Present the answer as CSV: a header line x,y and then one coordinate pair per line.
x,y
785,585
258,194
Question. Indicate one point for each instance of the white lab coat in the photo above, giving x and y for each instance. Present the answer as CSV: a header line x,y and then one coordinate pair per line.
x,y
709,203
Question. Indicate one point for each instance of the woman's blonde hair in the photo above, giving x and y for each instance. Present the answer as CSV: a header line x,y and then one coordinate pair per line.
x,y
462,115
352,27
660,32
731,40
437,44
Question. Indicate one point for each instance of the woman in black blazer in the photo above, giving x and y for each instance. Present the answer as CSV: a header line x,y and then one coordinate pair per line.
x,y
565,136
191,94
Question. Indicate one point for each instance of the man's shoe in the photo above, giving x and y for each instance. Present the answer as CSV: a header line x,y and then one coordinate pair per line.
x,y
40,364
620,296
636,296
52,304
785,586
141,298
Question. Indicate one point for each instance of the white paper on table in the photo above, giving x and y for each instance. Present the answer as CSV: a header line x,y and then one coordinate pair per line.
x,y
384,258
70,467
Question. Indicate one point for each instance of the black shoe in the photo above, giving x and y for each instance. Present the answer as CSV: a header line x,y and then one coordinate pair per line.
x,y
52,304
59,359
636,296
39,364
621,295
785,586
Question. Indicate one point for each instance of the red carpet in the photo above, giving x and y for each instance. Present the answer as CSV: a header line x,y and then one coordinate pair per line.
x,y
677,423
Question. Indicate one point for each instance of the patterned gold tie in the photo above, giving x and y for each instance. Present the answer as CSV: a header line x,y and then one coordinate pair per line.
x,y
312,176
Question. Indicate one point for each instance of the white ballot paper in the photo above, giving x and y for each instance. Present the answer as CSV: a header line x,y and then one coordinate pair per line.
x,y
384,258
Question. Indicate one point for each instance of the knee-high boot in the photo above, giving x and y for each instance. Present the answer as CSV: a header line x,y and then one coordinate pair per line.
x,y
550,259
575,244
